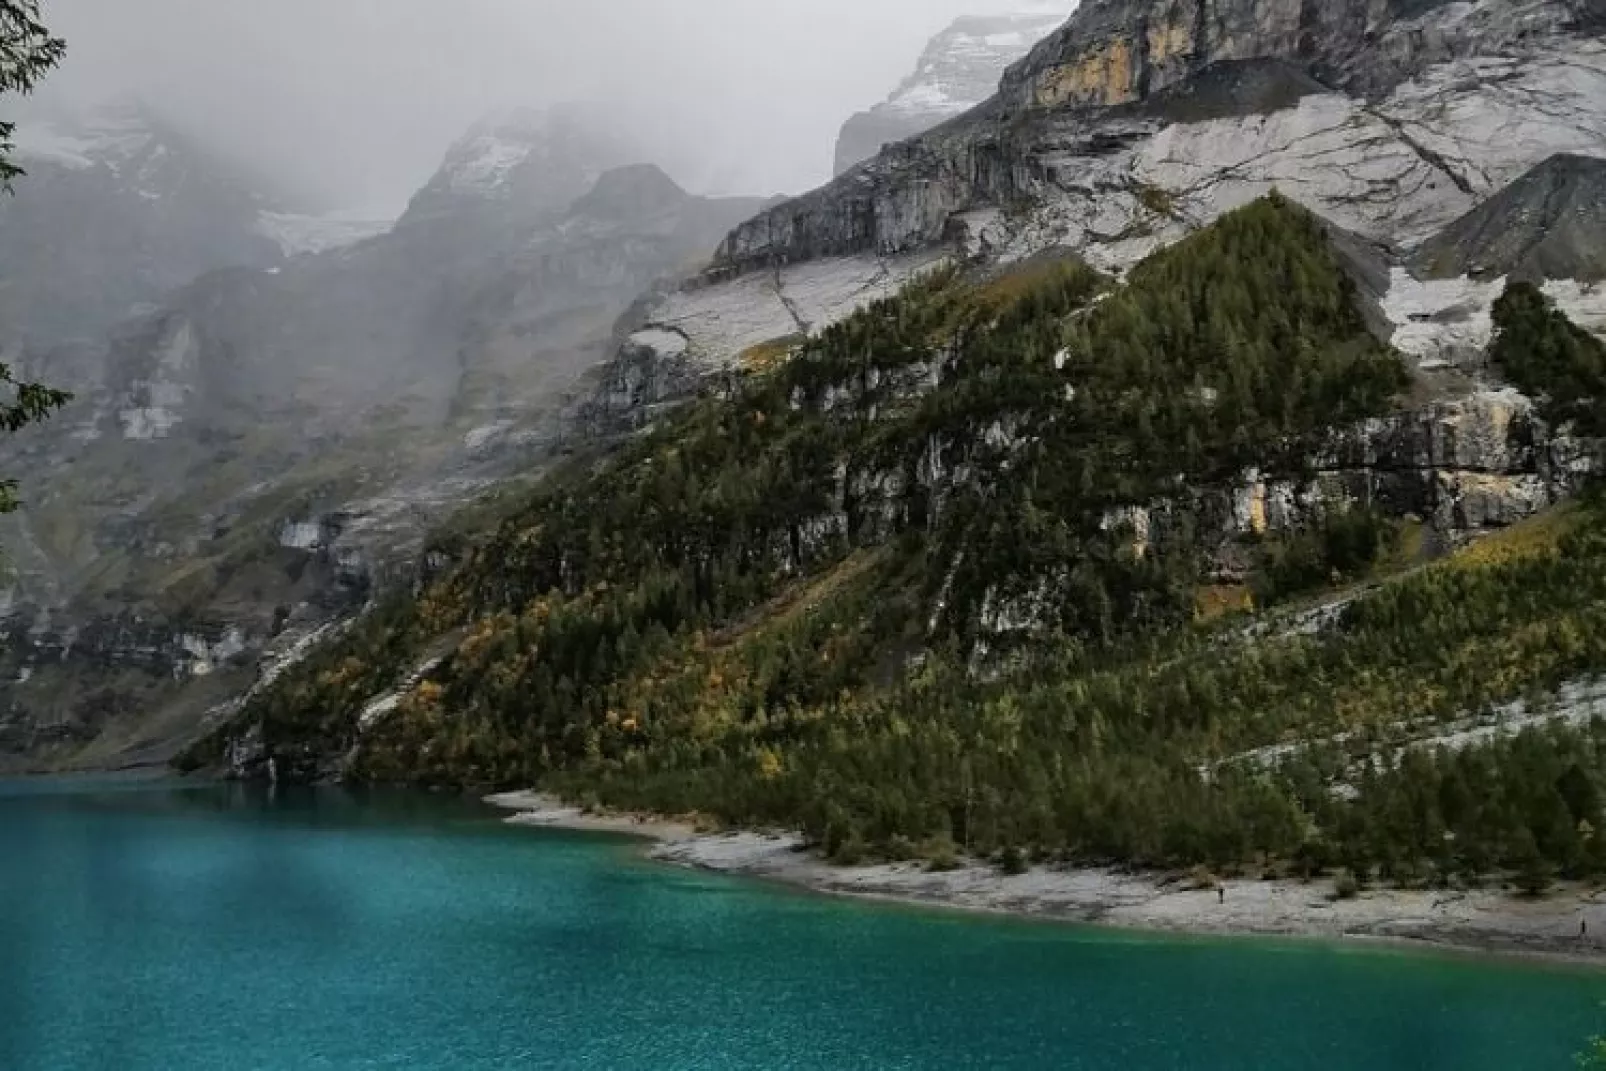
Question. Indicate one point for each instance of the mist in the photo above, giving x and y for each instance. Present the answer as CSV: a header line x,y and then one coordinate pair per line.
x,y
350,103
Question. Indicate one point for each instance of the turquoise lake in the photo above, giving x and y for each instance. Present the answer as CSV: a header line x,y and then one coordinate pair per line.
x,y
213,927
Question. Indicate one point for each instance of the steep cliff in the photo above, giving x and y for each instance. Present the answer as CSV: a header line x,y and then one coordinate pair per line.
x,y
1122,52
958,70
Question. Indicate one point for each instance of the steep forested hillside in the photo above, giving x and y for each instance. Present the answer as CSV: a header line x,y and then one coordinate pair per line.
x,y
957,575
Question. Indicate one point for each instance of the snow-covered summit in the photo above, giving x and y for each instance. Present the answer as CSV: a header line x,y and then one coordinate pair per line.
x,y
961,66
526,158
484,159
124,148
959,69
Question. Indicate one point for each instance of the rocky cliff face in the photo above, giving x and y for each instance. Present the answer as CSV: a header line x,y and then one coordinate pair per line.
x,y
959,69
1126,51
1390,126
1465,466
254,458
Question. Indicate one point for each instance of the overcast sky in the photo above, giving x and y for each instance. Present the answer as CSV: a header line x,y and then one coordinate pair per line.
x,y
355,100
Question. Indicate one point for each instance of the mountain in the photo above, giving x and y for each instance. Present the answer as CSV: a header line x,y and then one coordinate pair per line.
x,y
524,161
255,455
1034,560
958,70
1140,121
1098,475
1544,228
117,209
1548,224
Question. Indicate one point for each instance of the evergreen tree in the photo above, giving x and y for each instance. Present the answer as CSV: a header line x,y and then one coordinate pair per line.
x,y
28,52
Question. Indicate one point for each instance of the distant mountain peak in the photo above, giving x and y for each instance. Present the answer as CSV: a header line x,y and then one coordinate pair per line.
x,y
961,66
529,159
959,69
483,159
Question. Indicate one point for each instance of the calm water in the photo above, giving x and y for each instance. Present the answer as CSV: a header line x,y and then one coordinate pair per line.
x,y
210,928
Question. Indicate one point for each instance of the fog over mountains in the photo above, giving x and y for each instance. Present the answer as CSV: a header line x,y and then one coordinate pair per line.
x,y
349,104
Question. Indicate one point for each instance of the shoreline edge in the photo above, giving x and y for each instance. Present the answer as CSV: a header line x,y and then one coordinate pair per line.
x,y
1482,921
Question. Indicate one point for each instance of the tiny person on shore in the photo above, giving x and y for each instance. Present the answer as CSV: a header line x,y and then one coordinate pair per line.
x,y
1221,892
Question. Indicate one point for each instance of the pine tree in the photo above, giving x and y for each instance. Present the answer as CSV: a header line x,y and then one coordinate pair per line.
x,y
28,52
1533,874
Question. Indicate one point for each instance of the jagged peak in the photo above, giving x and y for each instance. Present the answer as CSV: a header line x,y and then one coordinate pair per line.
x,y
482,160
958,70
960,66
537,159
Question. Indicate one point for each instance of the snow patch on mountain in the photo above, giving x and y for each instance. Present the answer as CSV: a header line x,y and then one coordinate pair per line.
x,y
959,69
1441,323
303,234
484,163
961,66
487,158
525,159
1583,303
713,326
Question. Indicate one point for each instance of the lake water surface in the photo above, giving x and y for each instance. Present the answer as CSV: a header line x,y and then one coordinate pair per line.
x,y
162,929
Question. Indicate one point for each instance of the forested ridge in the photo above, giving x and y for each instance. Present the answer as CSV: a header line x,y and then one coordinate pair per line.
x,y
894,591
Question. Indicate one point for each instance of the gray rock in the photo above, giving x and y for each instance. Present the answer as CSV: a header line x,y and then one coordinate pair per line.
x,y
1549,224
1122,51
1142,119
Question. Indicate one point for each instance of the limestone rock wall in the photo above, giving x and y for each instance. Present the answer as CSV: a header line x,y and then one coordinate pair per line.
x,y
1121,51
1143,119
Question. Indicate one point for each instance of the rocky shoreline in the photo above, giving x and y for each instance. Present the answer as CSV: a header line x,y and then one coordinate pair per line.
x,y
1478,920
